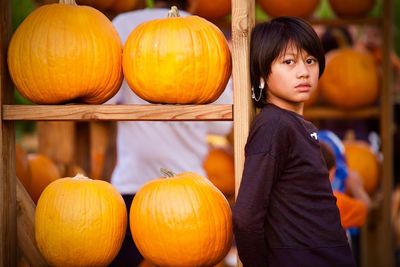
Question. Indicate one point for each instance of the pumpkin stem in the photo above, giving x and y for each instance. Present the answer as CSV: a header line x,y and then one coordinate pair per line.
x,y
173,13
80,176
167,173
68,2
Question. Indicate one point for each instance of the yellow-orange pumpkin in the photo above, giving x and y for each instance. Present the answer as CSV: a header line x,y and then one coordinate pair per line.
x,y
42,172
80,222
181,221
98,4
351,8
177,60
220,169
66,53
276,8
350,79
362,159
210,9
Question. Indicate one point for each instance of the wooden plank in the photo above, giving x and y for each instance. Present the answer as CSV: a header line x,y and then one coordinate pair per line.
x,y
25,225
377,248
318,113
8,221
150,112
243,20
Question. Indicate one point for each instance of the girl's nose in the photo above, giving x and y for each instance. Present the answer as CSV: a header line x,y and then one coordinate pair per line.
x,y
302,70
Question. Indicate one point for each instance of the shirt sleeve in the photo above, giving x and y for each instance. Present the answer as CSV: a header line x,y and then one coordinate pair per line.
x,y
250,210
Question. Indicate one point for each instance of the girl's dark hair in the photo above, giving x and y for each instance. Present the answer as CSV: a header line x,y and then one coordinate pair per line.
x,y
270,39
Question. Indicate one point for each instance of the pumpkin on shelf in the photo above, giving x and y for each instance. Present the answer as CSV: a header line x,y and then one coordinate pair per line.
x,y
177,60
192,217
210,9
35,171
351,8
276,8
65,53
350,79
220,169
362,159
80,222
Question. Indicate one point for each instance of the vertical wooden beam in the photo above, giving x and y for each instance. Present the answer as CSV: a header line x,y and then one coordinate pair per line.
x,y
377,239
8,221
243,20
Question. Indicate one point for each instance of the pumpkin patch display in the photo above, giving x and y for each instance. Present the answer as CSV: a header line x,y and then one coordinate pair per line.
x,y
80,222
181,220
276,8
210,9
350,79
65,53
351,8
177,60
362,159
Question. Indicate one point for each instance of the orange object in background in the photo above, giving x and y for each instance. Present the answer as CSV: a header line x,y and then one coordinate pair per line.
x,y
353,212
276,8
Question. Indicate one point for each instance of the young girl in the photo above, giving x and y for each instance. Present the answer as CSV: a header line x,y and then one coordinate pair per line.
x,y
285,213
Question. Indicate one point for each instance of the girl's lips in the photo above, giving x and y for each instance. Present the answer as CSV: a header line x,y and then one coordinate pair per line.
x,y
303,87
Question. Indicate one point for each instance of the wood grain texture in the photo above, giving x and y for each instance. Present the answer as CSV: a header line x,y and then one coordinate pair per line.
x,y
150,112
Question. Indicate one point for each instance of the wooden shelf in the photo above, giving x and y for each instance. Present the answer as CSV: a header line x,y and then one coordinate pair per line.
x,y
346,22
316,113
148,112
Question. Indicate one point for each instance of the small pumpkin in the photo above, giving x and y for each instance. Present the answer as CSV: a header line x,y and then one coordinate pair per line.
x,y
80,222
276,8
351,8
361,159
192,217
66,53
210,9
350,79
220,169
177,60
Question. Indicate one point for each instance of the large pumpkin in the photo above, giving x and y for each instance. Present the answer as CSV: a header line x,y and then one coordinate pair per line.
x,y
177,60
350,79
351,8
80,222
276,8
181,220
363,160
210,9
66,53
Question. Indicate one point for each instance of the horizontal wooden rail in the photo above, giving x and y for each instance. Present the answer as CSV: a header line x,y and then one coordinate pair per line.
x,y
147,112
323,113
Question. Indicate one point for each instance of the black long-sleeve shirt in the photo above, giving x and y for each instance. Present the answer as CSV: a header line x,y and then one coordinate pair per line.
x,y
285,213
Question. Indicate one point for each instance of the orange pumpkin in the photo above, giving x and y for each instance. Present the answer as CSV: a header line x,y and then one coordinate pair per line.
x,y
351,8
177,60
42,172
361,159
350,79
210,9
220,169
80,222
276,8
98,4
66,53
192,218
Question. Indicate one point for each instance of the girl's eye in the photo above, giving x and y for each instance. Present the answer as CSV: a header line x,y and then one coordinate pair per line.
x,y
311,60
288,61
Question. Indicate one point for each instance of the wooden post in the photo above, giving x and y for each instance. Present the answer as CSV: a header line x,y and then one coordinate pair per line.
x,y
243,20
377,238
8,221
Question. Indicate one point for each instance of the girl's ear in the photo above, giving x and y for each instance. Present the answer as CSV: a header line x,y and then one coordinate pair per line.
x,y
262,83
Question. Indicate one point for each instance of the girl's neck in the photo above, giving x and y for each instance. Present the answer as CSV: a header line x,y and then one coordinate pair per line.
x,y
297,107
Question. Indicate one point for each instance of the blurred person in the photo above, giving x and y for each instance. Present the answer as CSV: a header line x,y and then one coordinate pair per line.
x,y
144,147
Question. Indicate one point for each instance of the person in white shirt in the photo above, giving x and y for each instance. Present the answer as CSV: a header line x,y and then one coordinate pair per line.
x,y
145,147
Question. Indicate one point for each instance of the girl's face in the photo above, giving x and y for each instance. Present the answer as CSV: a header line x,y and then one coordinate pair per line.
x,y
294,76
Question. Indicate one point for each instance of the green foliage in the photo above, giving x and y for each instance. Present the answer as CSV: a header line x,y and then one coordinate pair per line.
x,y
150,3
20,9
